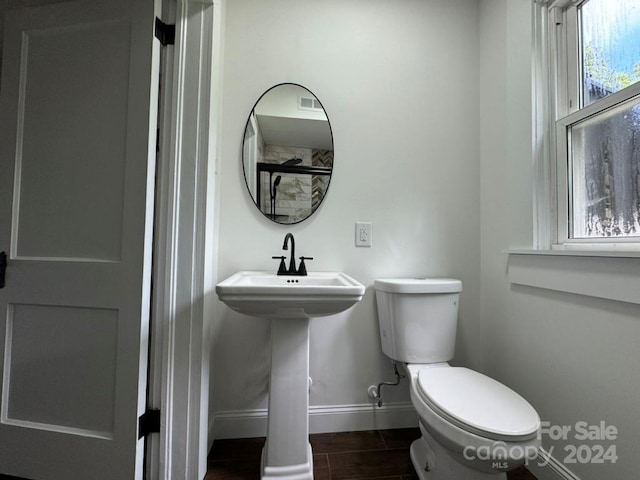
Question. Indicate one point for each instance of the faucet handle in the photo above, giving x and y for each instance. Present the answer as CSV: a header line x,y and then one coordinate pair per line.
x,y
282,268
302,269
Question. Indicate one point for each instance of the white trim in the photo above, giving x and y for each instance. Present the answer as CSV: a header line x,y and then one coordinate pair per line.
x,y
153,459
611,278
587,251
563,198
544,203
546,467
183,241
571,60
322,419
620,246
628,94
557,103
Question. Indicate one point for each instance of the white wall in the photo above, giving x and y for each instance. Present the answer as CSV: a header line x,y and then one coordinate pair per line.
x,y
441,164
399,83
575,358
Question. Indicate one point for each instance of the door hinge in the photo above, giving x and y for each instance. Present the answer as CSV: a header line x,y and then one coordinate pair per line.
x,y
149,422
165,33
3,267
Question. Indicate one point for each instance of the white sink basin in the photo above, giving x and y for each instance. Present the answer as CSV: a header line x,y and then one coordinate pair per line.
x,y
265,294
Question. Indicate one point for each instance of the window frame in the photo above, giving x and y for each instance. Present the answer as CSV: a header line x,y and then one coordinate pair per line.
x,y
557,36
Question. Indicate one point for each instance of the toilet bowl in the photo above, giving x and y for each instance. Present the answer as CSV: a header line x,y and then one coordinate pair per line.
x,y
484,427
473,427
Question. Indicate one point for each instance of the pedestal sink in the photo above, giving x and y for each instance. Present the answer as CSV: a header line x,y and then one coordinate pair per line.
x,y
289,302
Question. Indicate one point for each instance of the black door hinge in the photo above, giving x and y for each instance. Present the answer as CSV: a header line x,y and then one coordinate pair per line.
x,y
3,267
165,33
149,422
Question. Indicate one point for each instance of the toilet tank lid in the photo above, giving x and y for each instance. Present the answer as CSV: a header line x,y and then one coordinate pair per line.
x,y
418,285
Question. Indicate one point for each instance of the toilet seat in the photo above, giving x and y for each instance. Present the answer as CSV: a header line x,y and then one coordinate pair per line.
x,y
477,403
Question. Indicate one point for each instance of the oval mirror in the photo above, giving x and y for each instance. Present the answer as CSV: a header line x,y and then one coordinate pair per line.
x,y
287,153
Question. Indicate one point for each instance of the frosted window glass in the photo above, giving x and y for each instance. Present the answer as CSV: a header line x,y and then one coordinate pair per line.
x,y
610,34
605,166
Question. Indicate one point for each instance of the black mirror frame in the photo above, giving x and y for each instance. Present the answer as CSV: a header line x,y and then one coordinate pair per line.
x,y
308,170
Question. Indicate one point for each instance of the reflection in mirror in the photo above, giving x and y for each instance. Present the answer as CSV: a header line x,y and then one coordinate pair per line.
x,y
287,153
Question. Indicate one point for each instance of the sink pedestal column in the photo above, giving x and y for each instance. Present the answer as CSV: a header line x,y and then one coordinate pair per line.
x,y
287,452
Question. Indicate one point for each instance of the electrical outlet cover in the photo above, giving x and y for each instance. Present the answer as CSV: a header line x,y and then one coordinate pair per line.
x,y
363,234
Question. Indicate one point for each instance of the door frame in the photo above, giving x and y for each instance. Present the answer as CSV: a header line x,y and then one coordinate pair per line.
x,y
185,241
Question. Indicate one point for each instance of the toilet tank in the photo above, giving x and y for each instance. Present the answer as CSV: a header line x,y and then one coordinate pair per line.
x,y
418,318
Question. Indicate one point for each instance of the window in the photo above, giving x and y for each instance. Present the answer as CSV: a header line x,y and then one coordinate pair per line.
x,y
594,60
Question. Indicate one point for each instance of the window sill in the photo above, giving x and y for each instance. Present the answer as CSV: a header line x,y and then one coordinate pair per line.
x,y
610,275
579,252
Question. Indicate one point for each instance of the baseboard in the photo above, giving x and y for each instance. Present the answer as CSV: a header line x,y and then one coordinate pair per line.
x,y
322,419
546,467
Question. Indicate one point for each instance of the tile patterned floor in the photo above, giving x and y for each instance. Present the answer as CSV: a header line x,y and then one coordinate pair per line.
x,y
376,454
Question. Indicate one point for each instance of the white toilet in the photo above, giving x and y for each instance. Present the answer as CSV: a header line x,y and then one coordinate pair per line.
x,y
473,427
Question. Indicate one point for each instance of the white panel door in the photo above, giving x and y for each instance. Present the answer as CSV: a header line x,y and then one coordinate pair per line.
x,y
78,108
